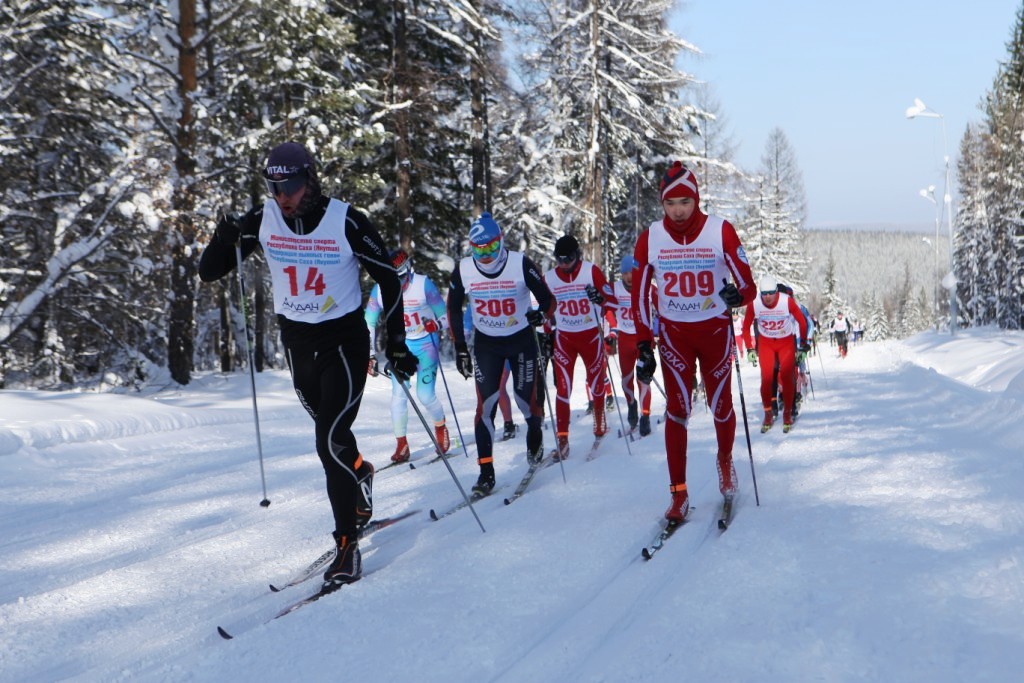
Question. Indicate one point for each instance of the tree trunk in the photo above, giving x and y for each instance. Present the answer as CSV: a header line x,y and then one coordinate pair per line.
x,y
403,164
478,108
180,338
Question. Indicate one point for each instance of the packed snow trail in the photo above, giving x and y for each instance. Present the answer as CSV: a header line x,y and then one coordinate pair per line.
x,y
887,546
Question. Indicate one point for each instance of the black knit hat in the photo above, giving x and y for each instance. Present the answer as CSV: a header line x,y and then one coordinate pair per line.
x,y
567,246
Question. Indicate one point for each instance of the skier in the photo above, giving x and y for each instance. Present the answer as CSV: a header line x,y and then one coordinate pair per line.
x,y
841,330
580,290
689,256
314,245
780,324
425,316
627,347
498,283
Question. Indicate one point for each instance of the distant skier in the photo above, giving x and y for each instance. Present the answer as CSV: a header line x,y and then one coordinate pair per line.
x,y
780,323
841,329
498,283
580,290
425,316
689,256
638,408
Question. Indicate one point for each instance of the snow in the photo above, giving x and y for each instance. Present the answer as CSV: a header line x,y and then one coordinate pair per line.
x,y
887,545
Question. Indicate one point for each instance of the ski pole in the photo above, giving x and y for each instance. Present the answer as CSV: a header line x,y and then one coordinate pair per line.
x,y
252,371
622,422
551,413
451,403
746,426
430,433
822,363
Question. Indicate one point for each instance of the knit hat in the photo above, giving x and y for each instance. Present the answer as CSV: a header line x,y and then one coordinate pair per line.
x,y
679,181
287,160
628,264
567,246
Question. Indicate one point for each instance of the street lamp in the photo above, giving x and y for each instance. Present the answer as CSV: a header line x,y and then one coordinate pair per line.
x,y
919,108
929,194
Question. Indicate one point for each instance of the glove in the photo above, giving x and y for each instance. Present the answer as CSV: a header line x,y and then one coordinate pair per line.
x,y
610,344
229,229
730,295
804,348
535,317
402,361
594,295
752,356
547,345
372,370
645,365
431,326
463,361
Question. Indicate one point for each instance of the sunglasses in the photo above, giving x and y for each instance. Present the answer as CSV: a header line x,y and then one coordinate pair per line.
x,y
489,250
770,293
566,258
287,187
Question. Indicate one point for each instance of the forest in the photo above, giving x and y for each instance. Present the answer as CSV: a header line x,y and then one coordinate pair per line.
x,y
129,127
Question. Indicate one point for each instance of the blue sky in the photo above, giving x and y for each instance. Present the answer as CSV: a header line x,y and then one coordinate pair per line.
x,y
837,77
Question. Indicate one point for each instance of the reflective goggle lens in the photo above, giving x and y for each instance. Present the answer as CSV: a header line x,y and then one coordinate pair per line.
x,y
488,250
769,293
287,187
566,258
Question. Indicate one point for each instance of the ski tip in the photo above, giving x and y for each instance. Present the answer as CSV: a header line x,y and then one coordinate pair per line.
x,y
224,634
508,501
646,554
722,525
412,466
433,515
274,589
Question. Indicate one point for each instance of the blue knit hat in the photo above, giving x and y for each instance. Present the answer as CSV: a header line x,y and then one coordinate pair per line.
x,y
628,264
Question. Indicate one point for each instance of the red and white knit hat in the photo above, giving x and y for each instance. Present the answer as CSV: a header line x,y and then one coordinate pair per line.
x,y
679,181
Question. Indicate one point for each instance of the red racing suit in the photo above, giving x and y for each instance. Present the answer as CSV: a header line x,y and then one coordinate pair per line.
x,y
689,265
777,327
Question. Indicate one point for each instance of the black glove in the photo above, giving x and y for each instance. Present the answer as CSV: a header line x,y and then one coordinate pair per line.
x,y
463,361
804,348
535,317
402,361
645,364
229,229
730,295
594,295
547,345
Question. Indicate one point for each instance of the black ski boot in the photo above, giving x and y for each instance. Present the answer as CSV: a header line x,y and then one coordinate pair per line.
x,y
645,425
631,414
510,431
348,563
485,484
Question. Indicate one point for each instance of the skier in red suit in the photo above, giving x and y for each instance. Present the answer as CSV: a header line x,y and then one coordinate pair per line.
x,y
690,257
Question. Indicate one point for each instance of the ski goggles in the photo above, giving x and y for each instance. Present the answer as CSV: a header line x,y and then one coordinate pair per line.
x,y
286,186
771,292
487,251
566,258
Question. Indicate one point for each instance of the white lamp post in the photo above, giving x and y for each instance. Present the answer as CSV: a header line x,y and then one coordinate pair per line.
x,y
929,194
920,109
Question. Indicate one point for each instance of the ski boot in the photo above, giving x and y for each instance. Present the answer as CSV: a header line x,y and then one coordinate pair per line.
x,y
631,414
401,453
728,483
680,506
485,483
441,434
510,431
645,425
347,566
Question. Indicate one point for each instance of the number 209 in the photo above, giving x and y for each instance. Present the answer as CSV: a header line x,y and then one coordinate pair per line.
x,y
689,284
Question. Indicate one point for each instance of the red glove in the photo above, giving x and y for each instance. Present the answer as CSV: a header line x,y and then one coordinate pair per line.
x,y
431,326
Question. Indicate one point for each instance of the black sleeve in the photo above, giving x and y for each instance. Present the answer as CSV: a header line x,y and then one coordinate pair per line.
x,y
218,259
368,246
535,282
456,299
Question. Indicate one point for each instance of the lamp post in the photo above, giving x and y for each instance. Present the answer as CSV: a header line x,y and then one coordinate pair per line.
x,y
929,194
919,108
